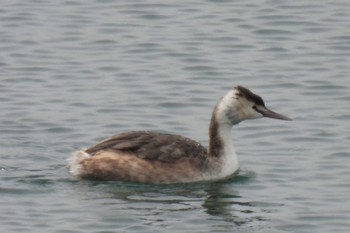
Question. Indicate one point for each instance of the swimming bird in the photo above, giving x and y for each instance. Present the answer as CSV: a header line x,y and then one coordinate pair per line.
x,y
161,158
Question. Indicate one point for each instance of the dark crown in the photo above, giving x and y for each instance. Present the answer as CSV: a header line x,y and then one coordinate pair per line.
x,y
246,93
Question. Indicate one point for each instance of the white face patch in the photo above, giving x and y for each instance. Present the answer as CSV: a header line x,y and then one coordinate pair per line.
x,y
234,108
246,109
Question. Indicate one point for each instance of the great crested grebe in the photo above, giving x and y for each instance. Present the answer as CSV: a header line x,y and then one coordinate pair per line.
x,y
160,158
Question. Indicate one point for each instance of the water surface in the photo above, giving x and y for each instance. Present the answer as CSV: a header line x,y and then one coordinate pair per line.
x,y
74,72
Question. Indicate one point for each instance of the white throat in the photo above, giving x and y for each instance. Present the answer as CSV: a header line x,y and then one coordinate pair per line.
x,y
228,160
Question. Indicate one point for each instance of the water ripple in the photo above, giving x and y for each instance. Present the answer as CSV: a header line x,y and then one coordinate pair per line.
x,y
73,73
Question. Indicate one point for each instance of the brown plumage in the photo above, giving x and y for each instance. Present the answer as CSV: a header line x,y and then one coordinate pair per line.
x,y
152,157
147,157
151,145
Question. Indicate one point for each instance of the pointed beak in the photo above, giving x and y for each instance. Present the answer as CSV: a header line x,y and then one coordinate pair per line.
x,y
270,114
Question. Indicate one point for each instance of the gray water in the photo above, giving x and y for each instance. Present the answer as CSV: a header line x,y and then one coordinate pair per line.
x,y
74,72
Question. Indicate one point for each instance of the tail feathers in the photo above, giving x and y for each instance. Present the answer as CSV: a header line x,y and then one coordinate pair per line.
x,y
74,162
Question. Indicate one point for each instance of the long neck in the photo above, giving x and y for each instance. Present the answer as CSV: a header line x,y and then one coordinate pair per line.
x,y
221,149
220,138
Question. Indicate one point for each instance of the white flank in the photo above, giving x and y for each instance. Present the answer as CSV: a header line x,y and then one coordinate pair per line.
x,y
74,162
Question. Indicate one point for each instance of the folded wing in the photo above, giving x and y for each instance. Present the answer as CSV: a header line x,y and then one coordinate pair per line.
x,y
152,146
